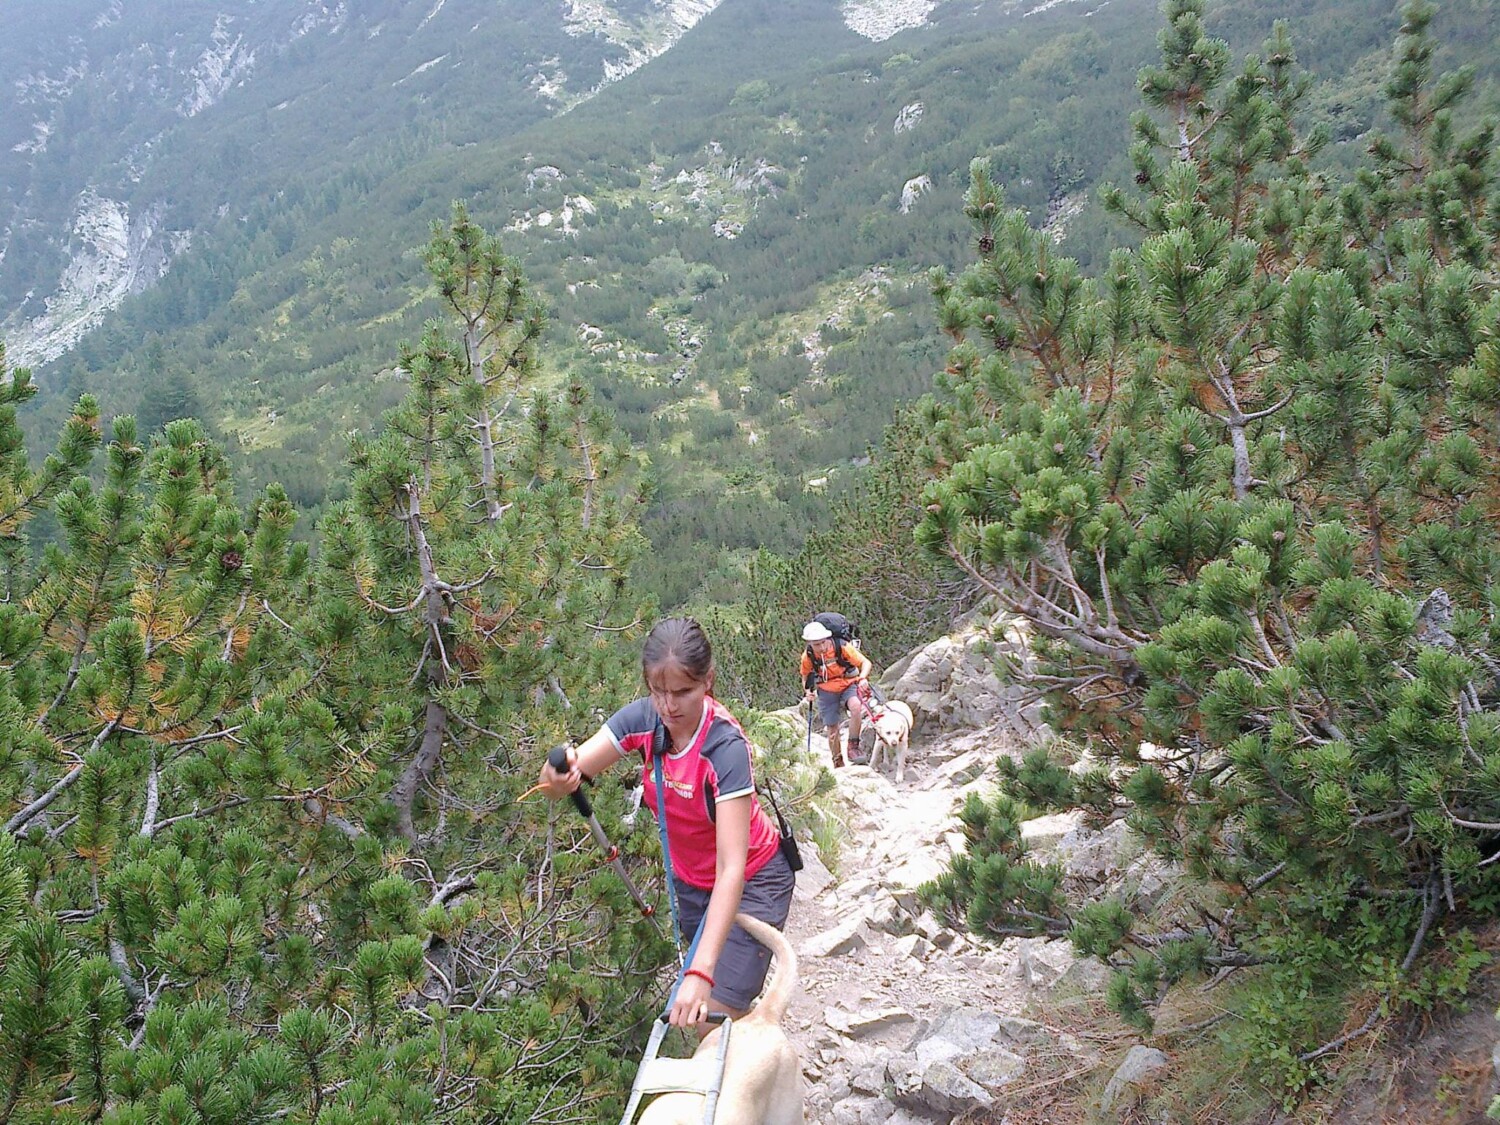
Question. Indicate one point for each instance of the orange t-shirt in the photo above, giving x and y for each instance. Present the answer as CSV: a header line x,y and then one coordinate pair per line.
x,y
831,675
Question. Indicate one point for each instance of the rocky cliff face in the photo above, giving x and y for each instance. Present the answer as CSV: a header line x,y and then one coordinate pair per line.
x,y
112,254
90,214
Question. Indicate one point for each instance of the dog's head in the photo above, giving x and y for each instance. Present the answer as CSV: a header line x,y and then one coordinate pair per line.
x,y
889,727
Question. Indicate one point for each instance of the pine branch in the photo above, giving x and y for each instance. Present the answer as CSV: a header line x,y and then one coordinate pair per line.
x,y
153,798
1044,616
1429,913
40,805
316,808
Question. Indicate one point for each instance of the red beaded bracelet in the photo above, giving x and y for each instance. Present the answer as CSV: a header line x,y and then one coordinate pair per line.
x,y
701,975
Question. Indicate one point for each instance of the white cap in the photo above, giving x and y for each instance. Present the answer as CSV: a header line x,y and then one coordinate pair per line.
x,y
816,631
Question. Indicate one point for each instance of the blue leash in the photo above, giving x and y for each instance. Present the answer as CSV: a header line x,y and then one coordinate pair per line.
x,y
658,745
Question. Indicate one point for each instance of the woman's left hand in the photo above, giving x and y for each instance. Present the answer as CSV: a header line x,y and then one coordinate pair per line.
x,y
691,1006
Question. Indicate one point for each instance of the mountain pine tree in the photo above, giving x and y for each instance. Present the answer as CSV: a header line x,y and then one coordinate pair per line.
x,y
263,858
1241,488
135,700
466,610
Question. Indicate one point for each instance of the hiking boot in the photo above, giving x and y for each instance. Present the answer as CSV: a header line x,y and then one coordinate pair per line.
x,y
859,747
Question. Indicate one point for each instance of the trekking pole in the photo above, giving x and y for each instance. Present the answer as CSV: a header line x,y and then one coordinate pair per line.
x,y
809,728
558,760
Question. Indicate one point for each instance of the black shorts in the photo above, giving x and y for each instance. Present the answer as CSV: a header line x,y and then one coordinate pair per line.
x,y
742,967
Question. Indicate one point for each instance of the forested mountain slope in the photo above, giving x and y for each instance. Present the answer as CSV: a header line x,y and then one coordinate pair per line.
x,y
265,852
732,241
135,129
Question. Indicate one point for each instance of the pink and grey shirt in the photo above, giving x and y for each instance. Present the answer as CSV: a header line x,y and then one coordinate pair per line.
x,y
713,767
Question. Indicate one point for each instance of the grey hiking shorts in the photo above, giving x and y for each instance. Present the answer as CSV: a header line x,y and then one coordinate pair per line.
x,y
831,704
742,966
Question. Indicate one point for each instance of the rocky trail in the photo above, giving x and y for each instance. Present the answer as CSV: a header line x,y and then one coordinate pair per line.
x,y
900,1020
866,984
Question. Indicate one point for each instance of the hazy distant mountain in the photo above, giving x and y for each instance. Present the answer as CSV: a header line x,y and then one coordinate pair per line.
x,y
129,126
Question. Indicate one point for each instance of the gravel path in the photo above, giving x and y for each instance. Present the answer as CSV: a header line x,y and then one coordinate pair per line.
x,y
860,1004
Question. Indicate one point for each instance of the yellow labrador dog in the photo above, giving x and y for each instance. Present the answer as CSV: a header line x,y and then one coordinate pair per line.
x,y
762,1074
892,721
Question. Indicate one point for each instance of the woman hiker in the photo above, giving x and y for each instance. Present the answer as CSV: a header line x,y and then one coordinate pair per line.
x,y
726,853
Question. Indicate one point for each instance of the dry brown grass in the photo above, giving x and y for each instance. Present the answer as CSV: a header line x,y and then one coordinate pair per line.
x,y
1422,1069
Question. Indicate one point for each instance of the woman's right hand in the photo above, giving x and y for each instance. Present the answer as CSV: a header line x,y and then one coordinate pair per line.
x,y
557,783
690,1007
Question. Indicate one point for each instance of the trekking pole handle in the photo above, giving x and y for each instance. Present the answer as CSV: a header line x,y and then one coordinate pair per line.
x,y
557,758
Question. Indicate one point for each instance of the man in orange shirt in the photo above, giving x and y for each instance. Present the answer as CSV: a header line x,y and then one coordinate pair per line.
x,y
831,674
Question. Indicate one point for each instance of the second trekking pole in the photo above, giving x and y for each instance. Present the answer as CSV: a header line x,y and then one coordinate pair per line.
x,y
558,758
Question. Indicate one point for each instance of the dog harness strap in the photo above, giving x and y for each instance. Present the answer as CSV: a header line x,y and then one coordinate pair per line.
x,y
716,1085
657,1075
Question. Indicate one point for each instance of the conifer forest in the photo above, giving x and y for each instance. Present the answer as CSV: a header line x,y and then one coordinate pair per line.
x,y
1229,455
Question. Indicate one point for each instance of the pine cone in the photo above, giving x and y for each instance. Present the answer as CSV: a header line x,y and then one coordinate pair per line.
x,y
986,244
231,560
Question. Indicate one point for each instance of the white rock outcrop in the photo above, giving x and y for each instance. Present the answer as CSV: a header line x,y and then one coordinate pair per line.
x,y
223,64
908,118
641,40
880,19
113,254
914,189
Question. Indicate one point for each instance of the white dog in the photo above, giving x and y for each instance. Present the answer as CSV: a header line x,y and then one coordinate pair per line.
x,y
892,722
762,1074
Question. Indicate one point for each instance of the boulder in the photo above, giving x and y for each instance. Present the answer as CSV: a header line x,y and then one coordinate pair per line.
x,y
846,937
1097,856
957,1064
939,1086
1042,834
814,878
1131,1079
914,946
857,1025
956,681
1050,965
